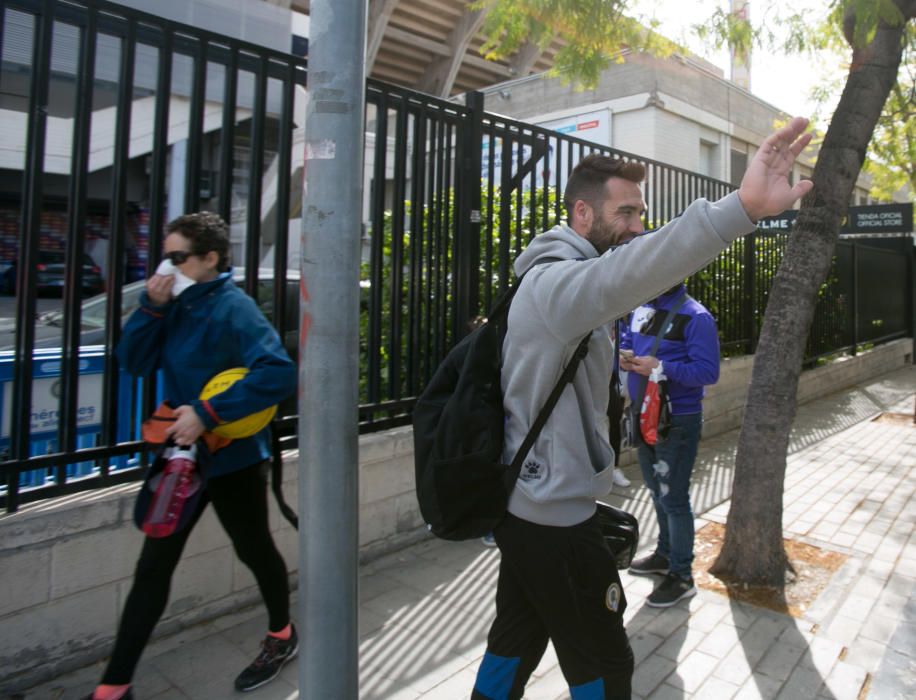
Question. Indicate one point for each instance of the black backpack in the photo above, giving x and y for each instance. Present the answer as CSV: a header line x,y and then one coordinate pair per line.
x,y
458,426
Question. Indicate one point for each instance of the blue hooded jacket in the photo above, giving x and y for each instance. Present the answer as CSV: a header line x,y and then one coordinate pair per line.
x,y
211,327
689,351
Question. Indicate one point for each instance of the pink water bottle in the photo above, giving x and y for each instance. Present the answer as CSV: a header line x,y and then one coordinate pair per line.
x,y
173,487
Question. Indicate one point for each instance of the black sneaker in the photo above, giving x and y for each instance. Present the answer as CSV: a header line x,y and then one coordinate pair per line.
x,y
672,589
655,563
274,654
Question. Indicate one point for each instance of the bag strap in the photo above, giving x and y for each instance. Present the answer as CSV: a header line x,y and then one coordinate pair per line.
x,y
666,326
568,373
276,485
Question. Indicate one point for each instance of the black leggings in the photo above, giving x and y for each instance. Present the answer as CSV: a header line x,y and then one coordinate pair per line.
x,y
240,501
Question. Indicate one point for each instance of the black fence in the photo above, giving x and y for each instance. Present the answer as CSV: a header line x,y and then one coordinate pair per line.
x,y
195,120
205,112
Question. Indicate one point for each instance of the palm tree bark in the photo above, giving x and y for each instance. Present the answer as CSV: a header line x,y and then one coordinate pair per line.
x,y
753,550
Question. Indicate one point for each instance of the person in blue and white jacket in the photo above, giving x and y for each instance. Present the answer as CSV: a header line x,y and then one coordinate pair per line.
x,y
688,357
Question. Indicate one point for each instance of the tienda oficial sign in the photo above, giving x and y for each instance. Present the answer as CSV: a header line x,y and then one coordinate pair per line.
x,y
876,218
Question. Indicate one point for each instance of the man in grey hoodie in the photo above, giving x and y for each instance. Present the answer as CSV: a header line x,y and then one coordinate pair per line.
x,y
557,578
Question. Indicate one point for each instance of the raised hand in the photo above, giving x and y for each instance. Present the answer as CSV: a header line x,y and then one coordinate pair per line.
x,y
765,188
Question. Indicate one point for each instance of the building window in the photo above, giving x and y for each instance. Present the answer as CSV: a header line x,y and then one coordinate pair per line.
x,y
738,166
709,159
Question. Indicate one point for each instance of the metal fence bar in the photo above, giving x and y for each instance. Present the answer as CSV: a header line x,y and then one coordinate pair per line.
x,y
469,190
109,433
253,229
376,259
72,293
195,128
28,253
395,290
227,136
281,208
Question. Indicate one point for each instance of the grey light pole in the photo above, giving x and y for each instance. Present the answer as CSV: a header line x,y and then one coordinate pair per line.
x,y
329,352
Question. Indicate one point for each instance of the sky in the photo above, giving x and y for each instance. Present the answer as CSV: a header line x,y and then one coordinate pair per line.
x,y
783,81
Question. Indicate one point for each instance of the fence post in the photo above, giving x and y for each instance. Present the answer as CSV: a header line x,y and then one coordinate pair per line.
x,y
750,291
854,302
911,298
468,202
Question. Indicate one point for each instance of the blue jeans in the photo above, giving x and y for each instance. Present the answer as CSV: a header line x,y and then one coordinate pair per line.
x,y
666,469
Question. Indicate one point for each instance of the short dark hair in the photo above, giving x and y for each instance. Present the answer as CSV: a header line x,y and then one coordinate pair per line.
x,y
588,177
206,231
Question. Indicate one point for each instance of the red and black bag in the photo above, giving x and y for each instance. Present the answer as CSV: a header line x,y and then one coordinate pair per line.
x,y
176,480
655,412
652,407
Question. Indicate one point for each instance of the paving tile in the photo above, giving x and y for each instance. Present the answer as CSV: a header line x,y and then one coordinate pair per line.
x,y
693,672
680,643
742,615
843,629
780,659
894,679
759,638
734,668
844,682
803,682
706,618
645,643
715,689
821,655
650,674
183,664
667,692
549,686
759,687
668,621
866,654
857,607
458,685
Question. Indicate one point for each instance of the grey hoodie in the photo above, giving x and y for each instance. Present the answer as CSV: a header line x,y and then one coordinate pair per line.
x,y
558,303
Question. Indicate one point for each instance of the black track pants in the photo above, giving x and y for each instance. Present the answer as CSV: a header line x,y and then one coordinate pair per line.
x,y
557,583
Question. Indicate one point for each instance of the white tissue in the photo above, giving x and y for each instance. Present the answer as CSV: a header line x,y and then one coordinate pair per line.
x,y
182,282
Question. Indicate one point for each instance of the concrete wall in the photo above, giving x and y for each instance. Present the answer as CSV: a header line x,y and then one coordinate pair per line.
x,y
65,564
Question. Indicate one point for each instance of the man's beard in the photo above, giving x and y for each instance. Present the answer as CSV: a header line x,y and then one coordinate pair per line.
x,y
603,236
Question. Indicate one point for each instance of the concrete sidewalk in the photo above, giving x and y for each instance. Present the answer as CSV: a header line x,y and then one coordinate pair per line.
x,y
425,611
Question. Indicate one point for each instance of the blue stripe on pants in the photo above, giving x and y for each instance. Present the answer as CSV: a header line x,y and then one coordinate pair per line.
x,y
589,691
495,676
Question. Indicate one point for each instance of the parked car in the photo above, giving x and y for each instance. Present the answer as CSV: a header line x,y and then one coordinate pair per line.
x,y
49,325
50,274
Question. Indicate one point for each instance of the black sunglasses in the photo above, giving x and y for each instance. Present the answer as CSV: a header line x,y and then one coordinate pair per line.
x,y
177,257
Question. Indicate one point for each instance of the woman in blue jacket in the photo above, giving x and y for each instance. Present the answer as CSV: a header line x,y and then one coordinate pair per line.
x,y
191,329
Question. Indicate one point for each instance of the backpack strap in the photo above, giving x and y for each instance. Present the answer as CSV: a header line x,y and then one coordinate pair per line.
x,y
568,373
636,402
276,485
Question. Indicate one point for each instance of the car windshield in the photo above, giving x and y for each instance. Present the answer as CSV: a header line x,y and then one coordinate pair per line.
x,y
94,309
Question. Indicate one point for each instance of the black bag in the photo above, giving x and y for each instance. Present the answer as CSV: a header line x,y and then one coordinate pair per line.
x,y
458,428
166,503
621,532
